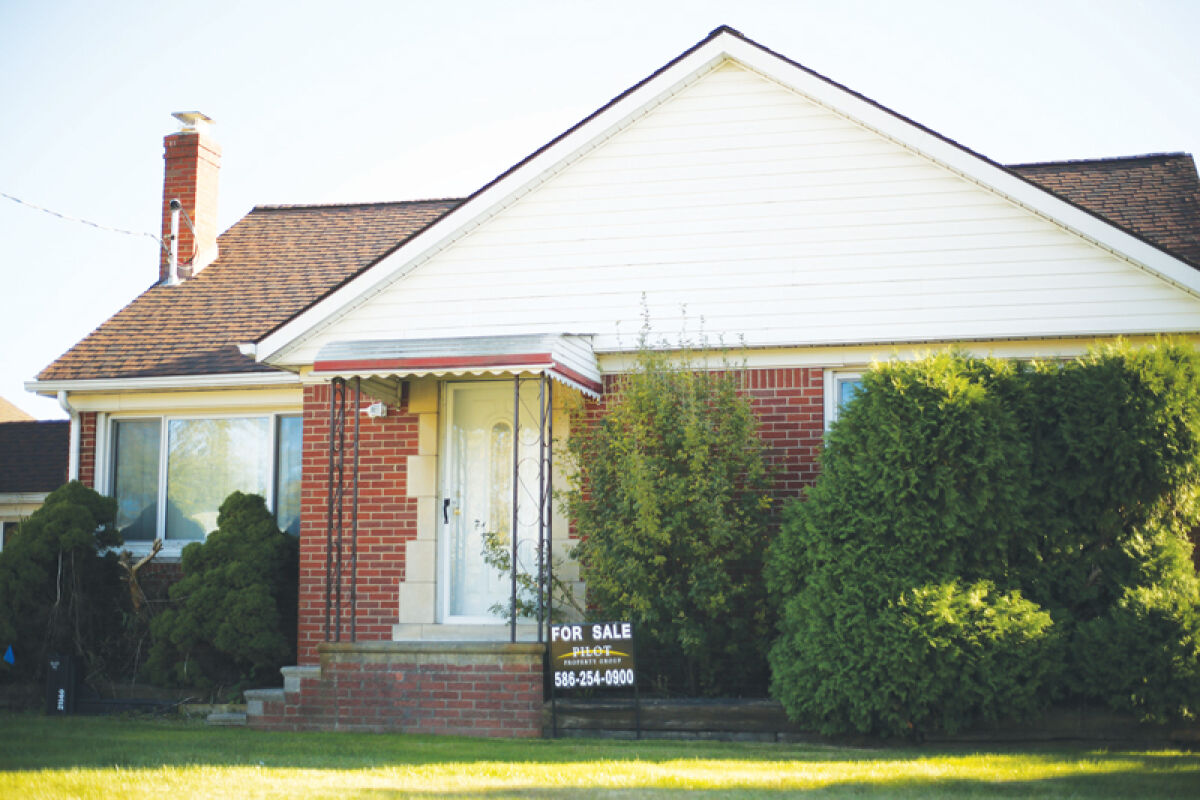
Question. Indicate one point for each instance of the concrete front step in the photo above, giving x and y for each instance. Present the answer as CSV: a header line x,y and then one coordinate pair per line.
x,y
293,675
257,699
226,718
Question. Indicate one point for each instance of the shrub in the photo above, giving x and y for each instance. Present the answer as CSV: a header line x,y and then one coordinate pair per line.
x,y
60,587
1115,486
1115,469
937,657
887,575
1060,493
670,499
234,620
1143,656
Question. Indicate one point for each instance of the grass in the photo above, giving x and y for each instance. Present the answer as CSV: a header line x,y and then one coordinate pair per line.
x,y
92,757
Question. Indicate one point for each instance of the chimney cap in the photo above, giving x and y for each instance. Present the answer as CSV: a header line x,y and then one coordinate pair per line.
x,y
192,121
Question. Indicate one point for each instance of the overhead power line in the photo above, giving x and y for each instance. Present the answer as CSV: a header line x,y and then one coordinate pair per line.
x,y
69,218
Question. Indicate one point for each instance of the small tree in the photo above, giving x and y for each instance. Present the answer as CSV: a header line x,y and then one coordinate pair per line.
x,y
670,499
60,586
234,622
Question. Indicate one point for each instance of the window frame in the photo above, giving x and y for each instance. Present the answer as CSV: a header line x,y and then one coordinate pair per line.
x,y
6,526
833,379
106,474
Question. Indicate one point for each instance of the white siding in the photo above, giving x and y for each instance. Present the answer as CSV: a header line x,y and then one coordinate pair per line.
x,y
776,222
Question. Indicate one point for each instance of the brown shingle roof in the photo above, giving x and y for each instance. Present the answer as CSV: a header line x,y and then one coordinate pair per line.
x,y
273,263
33,456
1154,196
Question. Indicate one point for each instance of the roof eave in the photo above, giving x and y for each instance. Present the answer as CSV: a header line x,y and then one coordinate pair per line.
x,y
237,380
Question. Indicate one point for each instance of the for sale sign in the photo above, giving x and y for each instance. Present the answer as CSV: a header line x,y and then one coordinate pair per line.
x,y
593,655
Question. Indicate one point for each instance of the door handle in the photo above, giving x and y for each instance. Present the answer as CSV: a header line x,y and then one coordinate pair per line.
x,y
446,511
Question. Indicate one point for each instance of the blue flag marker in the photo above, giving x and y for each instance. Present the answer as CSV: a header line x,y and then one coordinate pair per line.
x,y
8,656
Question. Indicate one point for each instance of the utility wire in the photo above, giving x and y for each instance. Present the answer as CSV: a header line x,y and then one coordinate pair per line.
x,y
69,218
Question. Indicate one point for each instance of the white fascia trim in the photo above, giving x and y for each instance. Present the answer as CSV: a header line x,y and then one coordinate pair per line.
x,y
970,166
640,101
22,498
228,381
487,204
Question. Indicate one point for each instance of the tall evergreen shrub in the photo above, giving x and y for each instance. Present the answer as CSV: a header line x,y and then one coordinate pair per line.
x,y
898,614
986,536
60,586
671,499
1115,462
1119,464
234,619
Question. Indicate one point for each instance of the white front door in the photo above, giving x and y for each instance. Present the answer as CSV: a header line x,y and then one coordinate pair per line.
x,y
477,497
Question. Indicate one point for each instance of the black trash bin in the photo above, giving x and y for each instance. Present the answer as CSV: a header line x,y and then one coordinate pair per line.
x,y
60,685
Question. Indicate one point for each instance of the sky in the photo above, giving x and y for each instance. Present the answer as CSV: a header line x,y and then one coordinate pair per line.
x,y
366,100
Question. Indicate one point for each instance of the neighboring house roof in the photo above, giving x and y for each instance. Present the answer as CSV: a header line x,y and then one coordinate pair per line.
x,y
33,456
274,261
1154,196
10,413
280,263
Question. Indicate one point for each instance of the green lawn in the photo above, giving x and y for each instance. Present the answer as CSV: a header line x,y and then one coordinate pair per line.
x,y
90,757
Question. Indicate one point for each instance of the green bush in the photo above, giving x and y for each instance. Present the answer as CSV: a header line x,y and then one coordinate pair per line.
x,y
234,617
937,657
60,586
1143,656
887,575
1115,466
1116,481
923,478
1059,496
670,500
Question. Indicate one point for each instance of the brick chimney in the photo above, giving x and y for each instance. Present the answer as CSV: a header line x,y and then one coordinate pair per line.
x,y
193,161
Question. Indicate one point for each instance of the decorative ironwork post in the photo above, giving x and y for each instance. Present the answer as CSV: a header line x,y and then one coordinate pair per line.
x,y
514,531
547,506
335,517
354,517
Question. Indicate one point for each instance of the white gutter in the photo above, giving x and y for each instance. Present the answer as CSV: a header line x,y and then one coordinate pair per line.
x,y
73,451
228,381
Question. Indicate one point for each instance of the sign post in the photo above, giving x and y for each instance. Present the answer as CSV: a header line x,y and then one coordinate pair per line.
x,y
593,655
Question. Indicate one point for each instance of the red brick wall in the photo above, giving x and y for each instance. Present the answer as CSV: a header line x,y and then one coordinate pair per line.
x,y
87,448
156,579
466,690
790,405
387,519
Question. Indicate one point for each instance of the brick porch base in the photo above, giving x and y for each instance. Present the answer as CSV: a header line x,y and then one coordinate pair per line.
x,y
460,688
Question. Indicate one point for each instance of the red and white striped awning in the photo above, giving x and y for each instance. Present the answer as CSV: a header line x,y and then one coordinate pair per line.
x,y
567,358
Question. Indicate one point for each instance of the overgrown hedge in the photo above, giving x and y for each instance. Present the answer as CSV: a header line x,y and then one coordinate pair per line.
x,y
987,537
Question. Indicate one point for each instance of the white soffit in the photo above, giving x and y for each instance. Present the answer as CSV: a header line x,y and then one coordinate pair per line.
x,y
721,45
566,358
